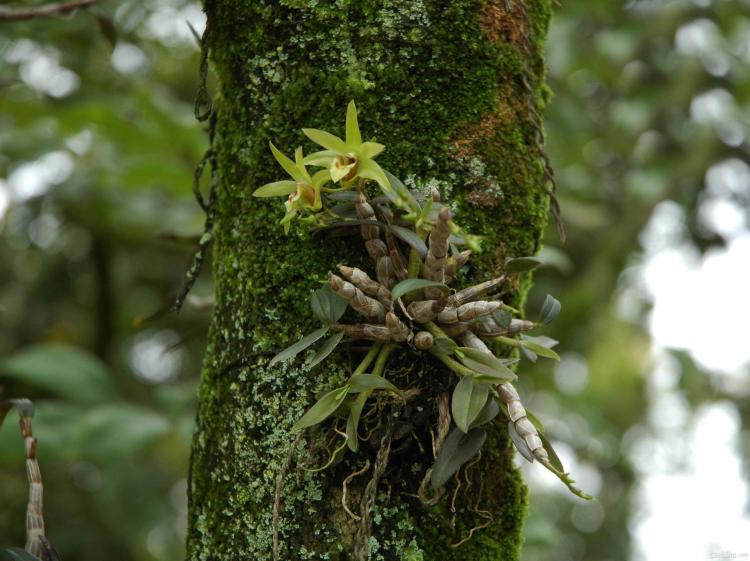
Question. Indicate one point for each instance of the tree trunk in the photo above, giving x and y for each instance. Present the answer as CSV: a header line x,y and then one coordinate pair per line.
x,y
454,90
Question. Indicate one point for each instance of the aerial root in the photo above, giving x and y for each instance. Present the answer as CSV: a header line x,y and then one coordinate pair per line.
x,y
345,490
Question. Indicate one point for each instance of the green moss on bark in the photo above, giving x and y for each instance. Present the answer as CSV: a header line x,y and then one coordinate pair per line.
x,y
452,100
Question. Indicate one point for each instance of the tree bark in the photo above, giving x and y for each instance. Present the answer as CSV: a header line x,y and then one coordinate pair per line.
x,y
454,90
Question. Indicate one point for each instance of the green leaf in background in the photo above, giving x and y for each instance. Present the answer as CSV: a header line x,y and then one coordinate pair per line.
x,y
327,306
469,398
326,349
115,431
365,382
491,368
550,309
457,449
411,238
522,264
323,409
409,285
299,346
64,370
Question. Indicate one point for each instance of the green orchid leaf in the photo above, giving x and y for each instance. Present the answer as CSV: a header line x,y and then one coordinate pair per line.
x,y
550,309
370,169
353,136
410,237
469,397
502,318
288,165
554,459
326,140
326,349
276,189
522,264
368,382
299,346
457,449
327,306
530,355
401,192
410,285
538,348
352,422
490,410
323,409
486,365
520,443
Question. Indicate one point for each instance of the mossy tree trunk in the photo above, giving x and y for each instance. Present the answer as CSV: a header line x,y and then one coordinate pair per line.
x,y
454,90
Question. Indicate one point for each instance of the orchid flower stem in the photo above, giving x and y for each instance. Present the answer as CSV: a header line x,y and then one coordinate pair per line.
x,y
457,367
383,358
369,357
507,341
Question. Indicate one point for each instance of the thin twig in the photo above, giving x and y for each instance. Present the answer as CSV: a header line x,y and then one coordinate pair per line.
x,y
345,490
45,11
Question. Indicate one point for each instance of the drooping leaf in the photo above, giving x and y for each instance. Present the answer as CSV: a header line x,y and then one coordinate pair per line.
x,y
457,449
367,382
522,264
538,348
411,238
520,443
323,409
469,398
445,344
487,414
409,285
299,346
326,349
487,365
528,353
535,421
62,369
352,422
327,306
550,309
554,459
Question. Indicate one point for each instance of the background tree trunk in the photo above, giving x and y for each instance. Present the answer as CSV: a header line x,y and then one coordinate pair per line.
x,y
454,90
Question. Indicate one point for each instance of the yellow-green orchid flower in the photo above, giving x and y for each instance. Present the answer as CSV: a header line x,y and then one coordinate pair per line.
x,y
303,192
350,159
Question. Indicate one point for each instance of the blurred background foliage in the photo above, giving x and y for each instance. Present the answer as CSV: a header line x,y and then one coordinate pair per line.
x,y
98,224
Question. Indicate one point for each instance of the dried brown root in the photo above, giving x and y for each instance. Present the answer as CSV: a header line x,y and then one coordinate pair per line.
x,y
400,267
370,332
473,292
424,489
363,281
368,307
467,312
443,423
345,490
376,248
